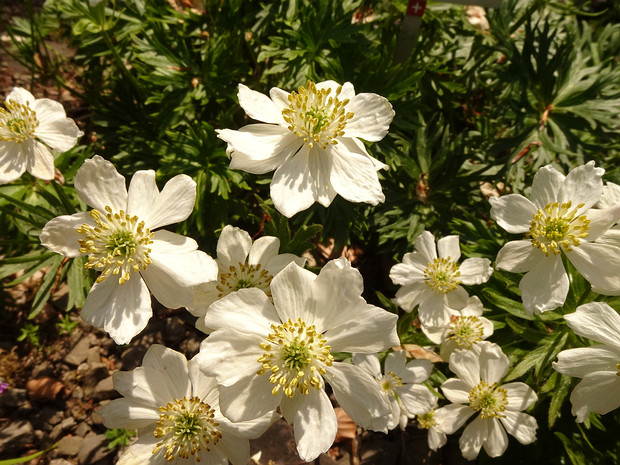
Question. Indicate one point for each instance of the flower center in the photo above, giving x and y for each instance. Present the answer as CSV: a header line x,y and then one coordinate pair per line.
x,y
296,357
244,276
17,122
427,420
490,400
390,382
442,275
117,244
465,331
186,427
558,228
315,116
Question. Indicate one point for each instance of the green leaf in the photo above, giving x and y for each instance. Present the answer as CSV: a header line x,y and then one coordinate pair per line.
x,y
44,291
557,399
27,458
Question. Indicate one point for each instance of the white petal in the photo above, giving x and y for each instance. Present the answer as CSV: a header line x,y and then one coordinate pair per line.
x,y
433,309
372,115
292,294
259,107
60,234
520,396
279,262
39,160
122,310
475,271
248,310
519,256
416,371
250,429
583,184
596,321
204,387
449,247
248,398
173,366
520,425
436,439
466,366
99,185
357,393
290,406
174,203
599,264
396,362
230,356
142,194
417,399
235,449
597,392
456,391
410,295
545,286
55,129
260,148
584,360
353,175
315,425
451,417
368,362
493,362
546,186
473,437
279,98
233,247
513,212
425,244
601,221
141,451
610,197
145,386
126,413
404,273
20,95
12,162
264,249
497,441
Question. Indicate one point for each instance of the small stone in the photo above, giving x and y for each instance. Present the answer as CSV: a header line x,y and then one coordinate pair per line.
x,y
105,389
77,393
93,355
79,353
16,435
60,462
132,357
82,430
96,419
93,373
42,369
69,445
67,423
93,449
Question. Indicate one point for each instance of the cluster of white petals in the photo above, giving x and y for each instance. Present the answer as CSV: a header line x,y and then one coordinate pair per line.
x,y
431,278
310,138
598,366
559,219
29,127
401,385
477,390
119,239
242,264
175,409
278,353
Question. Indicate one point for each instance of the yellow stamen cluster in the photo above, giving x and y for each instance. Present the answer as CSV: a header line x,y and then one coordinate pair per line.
x,y
295,357
558,228
465,331
427,420
390,382
18,122
489,399
187,427
244,276
117,245
316,116
442,275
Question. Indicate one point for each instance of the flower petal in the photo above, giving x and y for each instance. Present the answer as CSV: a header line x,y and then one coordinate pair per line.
x,y
259,107
475,271
513,212
473,437
145,386
60,234
55,129
449,247
601,221
416,371
372,115
456,391
584,360
410,295
248,311
493,362
417,399
466,366
599,264
598,392
173,366
12,162
233,247
596,321
545,286
126,413
518,256
174,203
520,425
425,244
520,396
497,441
264,249
142,194
122,310
451,417
39,160
99,185
248,398
546,186
315,425
292,294
583,184
369,363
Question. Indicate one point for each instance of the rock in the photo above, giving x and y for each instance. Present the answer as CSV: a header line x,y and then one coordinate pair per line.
x,y
79,353
175,329
16,435
42,369
69,445
96,419
60,462
77,393
44,388
47,416
105,389
82,430
93,355
93,449
191,344
62,428
92,373
132,357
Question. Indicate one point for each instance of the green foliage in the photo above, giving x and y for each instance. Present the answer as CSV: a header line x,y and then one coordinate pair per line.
x,y
119,437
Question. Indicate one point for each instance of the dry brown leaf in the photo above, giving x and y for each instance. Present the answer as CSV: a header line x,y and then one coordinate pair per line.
x,y
416,351
44,388
346,426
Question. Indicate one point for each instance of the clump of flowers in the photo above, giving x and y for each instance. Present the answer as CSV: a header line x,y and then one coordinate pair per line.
x,y
310,137
119,238
29,128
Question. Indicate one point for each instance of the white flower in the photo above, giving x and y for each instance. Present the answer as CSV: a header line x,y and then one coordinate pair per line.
x,y
266,355
557,219
464,330
431,278
242,264
175,409
500,407
610,198
311,140
25,123
436,437
119,240
401,385
599,365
